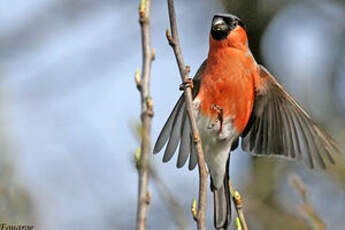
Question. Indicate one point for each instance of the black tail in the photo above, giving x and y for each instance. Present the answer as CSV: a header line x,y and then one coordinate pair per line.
x,y
222,203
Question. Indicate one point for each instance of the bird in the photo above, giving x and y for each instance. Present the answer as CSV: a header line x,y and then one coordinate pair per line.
x,y
235,98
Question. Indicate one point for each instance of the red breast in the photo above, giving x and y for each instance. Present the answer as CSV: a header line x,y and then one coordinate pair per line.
x,y
228,79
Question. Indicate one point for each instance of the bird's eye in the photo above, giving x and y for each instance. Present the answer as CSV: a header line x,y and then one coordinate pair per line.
x,y
234,23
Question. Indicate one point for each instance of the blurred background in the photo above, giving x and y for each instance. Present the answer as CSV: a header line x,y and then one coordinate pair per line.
x,y
69,108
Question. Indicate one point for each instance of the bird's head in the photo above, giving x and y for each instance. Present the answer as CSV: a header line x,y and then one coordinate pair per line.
x,y
228,30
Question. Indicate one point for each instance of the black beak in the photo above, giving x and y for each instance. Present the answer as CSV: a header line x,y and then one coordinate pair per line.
x,y
219,25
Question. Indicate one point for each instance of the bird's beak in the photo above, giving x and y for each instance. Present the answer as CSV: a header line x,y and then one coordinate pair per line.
x,y
218,24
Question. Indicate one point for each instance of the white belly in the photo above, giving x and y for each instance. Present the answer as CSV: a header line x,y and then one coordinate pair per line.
x,y
216,144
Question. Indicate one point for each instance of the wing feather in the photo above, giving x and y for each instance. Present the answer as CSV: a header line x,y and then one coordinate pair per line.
x,y
279,126
175,135
166,130
177,129
185,142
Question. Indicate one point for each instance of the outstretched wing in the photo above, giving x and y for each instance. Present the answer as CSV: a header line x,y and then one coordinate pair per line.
x,y
177,129
279,126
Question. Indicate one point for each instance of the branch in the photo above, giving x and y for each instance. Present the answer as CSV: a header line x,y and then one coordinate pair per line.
x,y
173,39
143,85
310,214
165,194
236,196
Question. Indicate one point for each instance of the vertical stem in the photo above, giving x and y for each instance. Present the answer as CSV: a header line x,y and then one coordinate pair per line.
x,y
236,196
146,114
175,44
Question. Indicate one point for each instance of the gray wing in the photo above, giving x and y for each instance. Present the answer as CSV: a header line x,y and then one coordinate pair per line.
x,y
279,126
177,131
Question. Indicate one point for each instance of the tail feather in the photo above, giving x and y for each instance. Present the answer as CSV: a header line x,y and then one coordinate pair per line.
x,y
222,203
222,208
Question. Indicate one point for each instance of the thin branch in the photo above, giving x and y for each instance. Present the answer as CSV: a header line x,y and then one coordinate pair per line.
x,y
239,207
310,214
143,85
184,72
172,203
165,194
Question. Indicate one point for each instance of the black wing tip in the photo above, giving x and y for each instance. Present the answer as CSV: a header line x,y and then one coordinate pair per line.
x,y
159,144
191,167
323,164
156,149
179,166
164,160
167,156
180,162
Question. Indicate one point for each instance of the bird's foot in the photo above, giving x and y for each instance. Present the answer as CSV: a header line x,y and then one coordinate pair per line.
x,y
188,83
219,111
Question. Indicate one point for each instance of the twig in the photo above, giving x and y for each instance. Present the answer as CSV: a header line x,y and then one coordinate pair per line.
x,y
184,72
313,218
172,203
143,85
241,220
165,194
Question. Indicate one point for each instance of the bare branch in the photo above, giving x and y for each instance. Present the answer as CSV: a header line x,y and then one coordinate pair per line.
x,y
184,72
143,85
165,194
310,214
